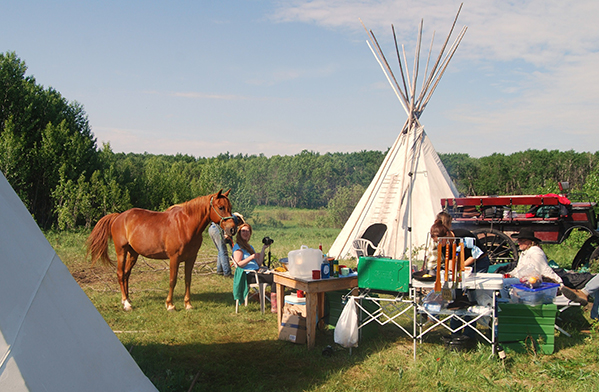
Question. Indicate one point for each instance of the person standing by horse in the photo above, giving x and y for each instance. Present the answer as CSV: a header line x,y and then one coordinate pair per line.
x,y
222,262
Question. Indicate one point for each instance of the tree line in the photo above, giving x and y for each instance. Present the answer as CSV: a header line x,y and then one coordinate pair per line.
x,y
51,158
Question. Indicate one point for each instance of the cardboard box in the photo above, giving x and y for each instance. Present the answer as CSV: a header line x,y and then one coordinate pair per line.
x,y
299,310
293,328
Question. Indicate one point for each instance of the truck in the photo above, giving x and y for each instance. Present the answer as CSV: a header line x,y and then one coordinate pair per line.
x,y
552,217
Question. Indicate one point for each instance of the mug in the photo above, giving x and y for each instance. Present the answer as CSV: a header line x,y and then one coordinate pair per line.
x,y
315,274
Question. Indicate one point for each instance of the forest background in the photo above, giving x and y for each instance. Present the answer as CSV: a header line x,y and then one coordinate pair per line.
x,y
50,156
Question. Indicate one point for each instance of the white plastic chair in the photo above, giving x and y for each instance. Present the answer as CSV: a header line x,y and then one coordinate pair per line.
x,y
259,286
361,246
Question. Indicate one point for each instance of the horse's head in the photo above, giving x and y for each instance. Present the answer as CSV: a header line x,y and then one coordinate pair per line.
x,y
220,213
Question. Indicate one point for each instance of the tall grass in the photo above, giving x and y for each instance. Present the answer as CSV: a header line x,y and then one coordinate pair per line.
x,y
214,349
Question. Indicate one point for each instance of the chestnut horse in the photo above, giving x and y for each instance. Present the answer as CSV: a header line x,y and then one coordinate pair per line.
x,y
175,234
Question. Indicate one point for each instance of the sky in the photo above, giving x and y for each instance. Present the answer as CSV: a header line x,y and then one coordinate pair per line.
x,y
277,77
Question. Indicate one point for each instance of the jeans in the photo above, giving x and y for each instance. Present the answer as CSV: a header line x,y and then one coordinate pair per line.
x,y
222,263
592,288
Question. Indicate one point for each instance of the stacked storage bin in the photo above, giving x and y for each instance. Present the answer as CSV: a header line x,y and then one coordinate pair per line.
x,y
522,327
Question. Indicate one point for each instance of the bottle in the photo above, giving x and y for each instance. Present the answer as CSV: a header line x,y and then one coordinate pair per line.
x,y
336,268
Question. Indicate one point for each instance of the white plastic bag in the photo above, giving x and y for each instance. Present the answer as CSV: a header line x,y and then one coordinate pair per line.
x,y
346,330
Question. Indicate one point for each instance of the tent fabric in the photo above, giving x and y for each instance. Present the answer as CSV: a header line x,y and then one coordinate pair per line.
x,y
52,338
399,200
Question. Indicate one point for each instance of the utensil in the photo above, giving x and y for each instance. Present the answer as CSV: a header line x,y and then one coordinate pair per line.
x,y
446,292
438,279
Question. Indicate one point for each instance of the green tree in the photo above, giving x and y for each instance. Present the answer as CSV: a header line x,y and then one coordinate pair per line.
x,y
343,203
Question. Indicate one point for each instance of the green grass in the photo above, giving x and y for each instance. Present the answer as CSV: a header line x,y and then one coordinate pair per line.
x,y
218,350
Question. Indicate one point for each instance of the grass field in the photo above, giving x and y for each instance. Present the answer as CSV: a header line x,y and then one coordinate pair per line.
x,y
210,348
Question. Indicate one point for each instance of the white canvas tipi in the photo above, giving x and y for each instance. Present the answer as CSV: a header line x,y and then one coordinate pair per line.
x,y
405,193
52,338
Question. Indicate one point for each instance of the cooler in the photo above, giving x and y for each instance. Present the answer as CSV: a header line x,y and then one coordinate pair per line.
x,y
377,273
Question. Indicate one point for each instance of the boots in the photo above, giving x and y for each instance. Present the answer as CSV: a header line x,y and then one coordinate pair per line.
x,y
273,302
575,295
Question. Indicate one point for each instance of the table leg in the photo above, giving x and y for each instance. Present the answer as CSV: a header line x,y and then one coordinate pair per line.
x,y
280,304
311,305
321,297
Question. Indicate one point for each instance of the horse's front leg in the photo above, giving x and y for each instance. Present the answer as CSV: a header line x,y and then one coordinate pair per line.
x,y
174,268
188,271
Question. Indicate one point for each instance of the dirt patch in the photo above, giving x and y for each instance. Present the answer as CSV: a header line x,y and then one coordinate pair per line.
x,y
87,276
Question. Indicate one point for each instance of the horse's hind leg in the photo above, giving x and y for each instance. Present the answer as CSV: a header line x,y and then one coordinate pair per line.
x,y
131,260
125,262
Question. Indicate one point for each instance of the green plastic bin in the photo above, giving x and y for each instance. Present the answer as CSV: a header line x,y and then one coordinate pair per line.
x,y
522,327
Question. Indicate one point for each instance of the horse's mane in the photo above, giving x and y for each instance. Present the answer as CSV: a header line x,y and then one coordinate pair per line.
x,y
194,205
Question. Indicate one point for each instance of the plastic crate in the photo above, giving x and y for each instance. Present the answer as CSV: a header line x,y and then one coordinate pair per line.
x,y
541,295
522,327
379,273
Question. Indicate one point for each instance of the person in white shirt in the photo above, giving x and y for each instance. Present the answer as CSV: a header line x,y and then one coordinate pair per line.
x,y
531,254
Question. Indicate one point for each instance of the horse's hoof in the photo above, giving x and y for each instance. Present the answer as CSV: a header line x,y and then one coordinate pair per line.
x,y
188,307
170,308
127,306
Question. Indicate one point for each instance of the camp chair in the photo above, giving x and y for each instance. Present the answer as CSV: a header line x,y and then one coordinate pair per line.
x,y
367,244
238,280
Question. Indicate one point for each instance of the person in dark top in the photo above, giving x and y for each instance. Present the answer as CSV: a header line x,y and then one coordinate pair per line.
x,y
475,252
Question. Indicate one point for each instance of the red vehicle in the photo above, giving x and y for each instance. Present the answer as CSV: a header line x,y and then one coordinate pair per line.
x,y
552,218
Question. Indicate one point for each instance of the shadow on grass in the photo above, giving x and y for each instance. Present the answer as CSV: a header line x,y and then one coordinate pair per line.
x,y
261,365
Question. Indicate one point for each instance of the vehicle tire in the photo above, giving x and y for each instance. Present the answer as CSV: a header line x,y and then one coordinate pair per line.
x,y
500,247
588,251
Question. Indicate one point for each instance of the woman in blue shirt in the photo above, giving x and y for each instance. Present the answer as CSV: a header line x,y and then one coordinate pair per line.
x,y
246,257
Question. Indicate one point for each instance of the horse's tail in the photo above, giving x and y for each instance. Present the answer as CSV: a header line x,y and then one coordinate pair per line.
x,y
97,242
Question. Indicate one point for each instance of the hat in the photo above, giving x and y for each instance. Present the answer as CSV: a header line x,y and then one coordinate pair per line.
x,y
240,220
526,234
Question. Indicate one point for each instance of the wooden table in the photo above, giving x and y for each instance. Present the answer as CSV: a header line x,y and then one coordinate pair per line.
x,y
314,290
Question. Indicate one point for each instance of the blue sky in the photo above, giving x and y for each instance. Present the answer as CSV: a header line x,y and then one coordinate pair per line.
x,y
277,77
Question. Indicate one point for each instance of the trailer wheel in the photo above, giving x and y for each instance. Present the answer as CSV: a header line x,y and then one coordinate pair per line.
x,y
500,247
588,251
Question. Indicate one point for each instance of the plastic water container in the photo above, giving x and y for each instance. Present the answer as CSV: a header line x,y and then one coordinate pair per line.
x,y
303,261
541,295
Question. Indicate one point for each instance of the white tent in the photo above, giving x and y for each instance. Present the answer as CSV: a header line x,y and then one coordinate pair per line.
x,y
52,338
406,191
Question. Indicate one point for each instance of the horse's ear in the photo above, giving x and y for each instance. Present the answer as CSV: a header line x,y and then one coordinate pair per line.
x,y
227,193
219,194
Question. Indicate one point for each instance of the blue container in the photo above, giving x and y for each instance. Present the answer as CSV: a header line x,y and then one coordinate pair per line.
x,y
325,270
538,296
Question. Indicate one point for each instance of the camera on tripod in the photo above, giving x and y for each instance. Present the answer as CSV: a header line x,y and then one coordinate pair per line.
x,y
267,241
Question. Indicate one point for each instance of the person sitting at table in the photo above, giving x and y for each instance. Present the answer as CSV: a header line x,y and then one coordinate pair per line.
x,y
245,257
474,256
531,255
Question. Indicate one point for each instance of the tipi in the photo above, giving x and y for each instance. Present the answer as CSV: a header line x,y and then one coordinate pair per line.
x,y
52,338
406,191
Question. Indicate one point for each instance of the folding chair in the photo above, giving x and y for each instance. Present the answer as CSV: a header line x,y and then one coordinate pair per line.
x,y
259,286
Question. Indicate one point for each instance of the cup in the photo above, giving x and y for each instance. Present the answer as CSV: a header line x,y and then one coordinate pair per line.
x,y
315,274
300,294
344,271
